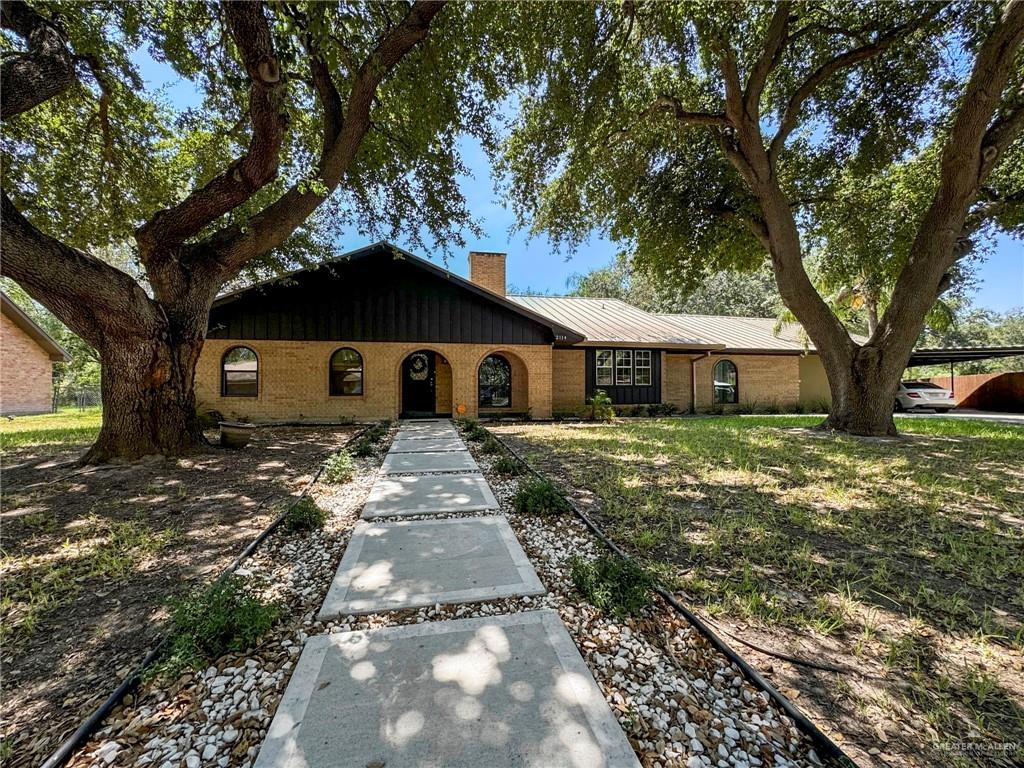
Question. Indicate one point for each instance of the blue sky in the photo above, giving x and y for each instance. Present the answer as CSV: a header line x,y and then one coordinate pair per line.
x,y
531,262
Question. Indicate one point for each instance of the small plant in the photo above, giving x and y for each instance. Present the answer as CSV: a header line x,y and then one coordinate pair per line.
x,y
490,445
613,585
210,621
304,515
539,497
506,465
339,468
361,447
662,409
642,411
477,434
601,408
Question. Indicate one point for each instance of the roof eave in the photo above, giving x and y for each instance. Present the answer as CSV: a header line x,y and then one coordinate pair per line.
x,y
55,351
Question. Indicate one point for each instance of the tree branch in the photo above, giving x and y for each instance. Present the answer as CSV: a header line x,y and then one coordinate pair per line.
x,y
834,65
86,294
275,223
46,70
170,227
774,45
967,158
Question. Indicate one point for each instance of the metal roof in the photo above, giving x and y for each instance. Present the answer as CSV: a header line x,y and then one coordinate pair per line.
x,y
745,333
17,315
611,321
960,354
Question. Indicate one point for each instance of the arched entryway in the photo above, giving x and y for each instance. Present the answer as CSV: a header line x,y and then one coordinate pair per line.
x,y
502,385
426,385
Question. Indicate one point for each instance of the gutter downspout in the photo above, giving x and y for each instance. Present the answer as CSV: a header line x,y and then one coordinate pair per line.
x,y
693,381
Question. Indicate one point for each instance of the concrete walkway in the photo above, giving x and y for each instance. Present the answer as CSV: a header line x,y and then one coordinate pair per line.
x,y
497,691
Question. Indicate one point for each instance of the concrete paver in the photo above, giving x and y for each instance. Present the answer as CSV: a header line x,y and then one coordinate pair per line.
x,y
428,494
422,444
411,564
432,461
496,691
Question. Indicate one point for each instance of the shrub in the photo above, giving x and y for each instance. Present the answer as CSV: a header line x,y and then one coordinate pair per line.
x,y
662,409
490,445
642,410
601,408
613,585
539,497
506,465
477,434
304,515
361,447
339,468
210,621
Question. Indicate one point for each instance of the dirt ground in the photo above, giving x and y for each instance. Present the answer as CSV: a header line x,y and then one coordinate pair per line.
x,y
90,557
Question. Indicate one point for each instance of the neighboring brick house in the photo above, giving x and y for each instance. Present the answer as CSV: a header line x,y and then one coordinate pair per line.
x,y
381,333
27,355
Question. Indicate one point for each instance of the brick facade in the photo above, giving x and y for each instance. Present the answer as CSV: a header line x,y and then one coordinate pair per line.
x,y
293,380
568,379
26,372
763,380
488,271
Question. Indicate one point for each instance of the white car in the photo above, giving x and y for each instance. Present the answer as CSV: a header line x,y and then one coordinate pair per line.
x,y
918,395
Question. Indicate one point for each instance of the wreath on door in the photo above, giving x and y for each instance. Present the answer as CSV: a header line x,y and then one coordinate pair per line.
x,y
419,367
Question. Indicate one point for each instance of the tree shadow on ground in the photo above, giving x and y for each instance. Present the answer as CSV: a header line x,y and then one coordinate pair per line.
x,y
900,559
90,557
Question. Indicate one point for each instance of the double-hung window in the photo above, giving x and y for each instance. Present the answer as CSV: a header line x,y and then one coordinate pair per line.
x,y
623,367
605,374
642,368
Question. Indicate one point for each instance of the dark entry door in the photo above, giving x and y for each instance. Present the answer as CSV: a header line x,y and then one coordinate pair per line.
x,y
418,382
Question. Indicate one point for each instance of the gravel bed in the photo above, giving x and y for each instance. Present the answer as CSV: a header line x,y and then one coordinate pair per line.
x,y
680,702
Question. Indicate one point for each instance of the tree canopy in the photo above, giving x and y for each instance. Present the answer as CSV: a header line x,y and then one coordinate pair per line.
x,y
701,135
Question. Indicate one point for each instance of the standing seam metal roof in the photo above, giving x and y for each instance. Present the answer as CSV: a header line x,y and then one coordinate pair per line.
x,y
613,321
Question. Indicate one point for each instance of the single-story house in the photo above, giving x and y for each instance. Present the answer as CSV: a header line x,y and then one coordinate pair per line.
x,y
27,355
381,333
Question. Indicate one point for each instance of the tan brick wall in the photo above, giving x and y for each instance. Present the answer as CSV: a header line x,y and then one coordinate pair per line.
x,y
568,379
676,388
763,380
26,372
442,385
488,270
813,381
293,379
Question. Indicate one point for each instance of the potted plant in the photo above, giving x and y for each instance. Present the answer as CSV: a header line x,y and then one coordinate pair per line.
x,y
235,434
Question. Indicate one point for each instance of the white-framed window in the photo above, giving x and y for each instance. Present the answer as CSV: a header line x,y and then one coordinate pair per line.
x,y
642,368
623,367
603,365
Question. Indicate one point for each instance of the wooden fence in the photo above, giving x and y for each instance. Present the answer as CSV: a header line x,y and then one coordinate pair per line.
x,y
987,391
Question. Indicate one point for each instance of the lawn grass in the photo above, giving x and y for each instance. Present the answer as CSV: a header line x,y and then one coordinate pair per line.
x,y
908,555
67,427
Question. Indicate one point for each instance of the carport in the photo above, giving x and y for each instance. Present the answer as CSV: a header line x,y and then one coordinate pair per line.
x,y
953,355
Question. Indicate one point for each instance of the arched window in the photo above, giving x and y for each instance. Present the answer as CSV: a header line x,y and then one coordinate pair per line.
x,y
346,372
727,382
495,382
239,373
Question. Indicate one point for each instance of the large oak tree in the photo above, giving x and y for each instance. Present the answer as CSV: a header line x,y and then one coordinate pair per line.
x,y
299,100
702,135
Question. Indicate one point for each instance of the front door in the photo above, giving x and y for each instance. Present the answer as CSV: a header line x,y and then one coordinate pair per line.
x,y
418,383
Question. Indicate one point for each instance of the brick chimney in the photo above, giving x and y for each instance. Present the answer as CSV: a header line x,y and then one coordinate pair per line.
x,y
488,271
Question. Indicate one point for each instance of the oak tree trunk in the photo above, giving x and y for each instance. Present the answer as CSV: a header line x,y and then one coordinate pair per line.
x,y
863,394
149,403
